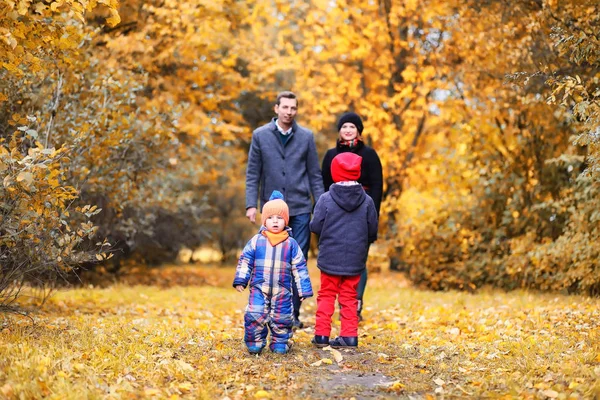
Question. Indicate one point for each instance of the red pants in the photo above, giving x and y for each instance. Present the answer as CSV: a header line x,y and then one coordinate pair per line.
x,y
331,287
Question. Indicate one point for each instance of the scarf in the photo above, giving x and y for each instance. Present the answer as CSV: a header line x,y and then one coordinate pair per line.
x,y
349,143
275,238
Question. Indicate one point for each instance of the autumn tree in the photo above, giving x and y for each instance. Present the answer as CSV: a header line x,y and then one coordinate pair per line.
x,y
140,107
523,162
41,234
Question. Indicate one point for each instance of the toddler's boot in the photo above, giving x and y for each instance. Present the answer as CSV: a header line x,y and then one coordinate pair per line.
x,y
253,349
281,348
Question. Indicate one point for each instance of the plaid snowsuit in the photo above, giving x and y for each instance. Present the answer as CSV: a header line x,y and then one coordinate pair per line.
x,y
269,272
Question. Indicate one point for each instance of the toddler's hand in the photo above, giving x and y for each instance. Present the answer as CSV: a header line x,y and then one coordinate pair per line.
x,y
239,288
302,299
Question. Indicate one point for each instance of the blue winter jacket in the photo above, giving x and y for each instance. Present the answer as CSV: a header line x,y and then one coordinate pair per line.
x,y
273,268
345,219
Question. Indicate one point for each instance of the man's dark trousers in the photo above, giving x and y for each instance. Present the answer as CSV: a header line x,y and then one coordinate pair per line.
x,y
301,233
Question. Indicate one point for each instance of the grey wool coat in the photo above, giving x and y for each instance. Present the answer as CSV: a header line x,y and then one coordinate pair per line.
x,y
292,169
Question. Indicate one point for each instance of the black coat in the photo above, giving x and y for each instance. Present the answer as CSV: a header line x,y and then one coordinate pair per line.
x,y
371,175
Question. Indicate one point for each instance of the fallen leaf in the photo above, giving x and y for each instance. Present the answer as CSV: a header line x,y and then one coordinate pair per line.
x,y
550,393
337,355
185,386
184,366
573,385
262,394
7,390
439,382
395,386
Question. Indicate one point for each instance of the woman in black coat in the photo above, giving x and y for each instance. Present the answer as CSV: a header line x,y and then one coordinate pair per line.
x,y
350,129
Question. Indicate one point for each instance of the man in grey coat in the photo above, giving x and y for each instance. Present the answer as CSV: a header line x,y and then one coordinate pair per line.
x,y
283,157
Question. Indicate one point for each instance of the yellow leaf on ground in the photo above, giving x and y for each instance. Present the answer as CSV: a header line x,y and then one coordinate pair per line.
x,y
337,355
185,386
184,366
396,386
262,394
550,393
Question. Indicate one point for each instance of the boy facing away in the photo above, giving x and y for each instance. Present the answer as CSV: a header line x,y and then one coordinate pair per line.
x,y
345,219
269,263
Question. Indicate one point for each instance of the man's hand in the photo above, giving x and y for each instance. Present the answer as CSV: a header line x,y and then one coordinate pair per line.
x,y
239,288
251,214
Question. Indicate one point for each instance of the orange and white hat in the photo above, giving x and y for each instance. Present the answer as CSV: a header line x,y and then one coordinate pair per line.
x,y
275,206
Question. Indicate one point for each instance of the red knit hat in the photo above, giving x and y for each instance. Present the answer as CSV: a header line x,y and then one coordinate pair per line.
x,y
346,167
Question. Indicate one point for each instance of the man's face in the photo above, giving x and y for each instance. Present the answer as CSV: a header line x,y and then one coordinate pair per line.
x,y
286,110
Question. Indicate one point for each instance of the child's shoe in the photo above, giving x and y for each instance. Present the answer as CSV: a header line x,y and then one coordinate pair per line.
x,y
320,341
344,342
281,348
255,349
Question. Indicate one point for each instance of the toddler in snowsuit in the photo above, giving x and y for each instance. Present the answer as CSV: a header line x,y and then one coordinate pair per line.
x,y
268,264
345,218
